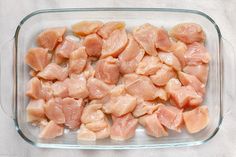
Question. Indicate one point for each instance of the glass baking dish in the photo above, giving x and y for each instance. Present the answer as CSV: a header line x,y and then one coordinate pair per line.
x,y
35,22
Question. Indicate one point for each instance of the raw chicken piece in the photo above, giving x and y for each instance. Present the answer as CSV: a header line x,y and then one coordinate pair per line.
x,y
185,96
53,110
53,72
50,37
172,85
196,119
93,45
163,75
142,86
179,49
51,130
46,92
109,27
72,110
149,65
191,80
97,125
188,33
107,70
34,88
97,88
118,90
153,126
65,48
104,133
35,110
170,116
59,89
37,58
89,70
124,127
84,28
114,44
77,86
120,105
92,113
85,134
146,36
196,54
77,60
131,56
200,71
163,42
144,107
170,59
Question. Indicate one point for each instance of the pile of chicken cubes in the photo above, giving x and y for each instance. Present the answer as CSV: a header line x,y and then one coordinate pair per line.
x,y
104,81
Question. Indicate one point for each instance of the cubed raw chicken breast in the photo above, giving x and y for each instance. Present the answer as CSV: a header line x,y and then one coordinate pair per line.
x,y
196,54
109,27
33,88
92,113
153,126
144,107
85,134
146,36
200,71
37,58
50,37
107,70
59,89
149,65
53,110
115,43
163,75
188,33
124,127
170,116
46,92
197,119
163,42
89,70
170,59
172,85
77,86
178,49
84,28
72,110
191,80
120,105
131,56
97,125
97,88
77,60
35,110
51,130
65,48
118,90
142,86
185,96
93,45
53,71
104,133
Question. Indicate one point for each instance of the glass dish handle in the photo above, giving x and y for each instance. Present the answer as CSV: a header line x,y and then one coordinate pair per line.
x,y
6,77
229,73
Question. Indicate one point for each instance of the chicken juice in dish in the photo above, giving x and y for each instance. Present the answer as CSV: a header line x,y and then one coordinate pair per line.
x,y
105,81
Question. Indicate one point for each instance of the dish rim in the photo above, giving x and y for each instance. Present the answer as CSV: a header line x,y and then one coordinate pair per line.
x,y
112,147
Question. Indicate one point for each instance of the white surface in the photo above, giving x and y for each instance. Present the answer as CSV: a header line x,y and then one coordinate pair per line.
x,y
223,12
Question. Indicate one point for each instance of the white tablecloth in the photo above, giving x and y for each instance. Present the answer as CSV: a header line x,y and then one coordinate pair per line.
x,y
223,12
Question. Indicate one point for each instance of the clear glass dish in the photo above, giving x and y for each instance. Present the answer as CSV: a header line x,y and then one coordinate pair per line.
x,y
32,24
